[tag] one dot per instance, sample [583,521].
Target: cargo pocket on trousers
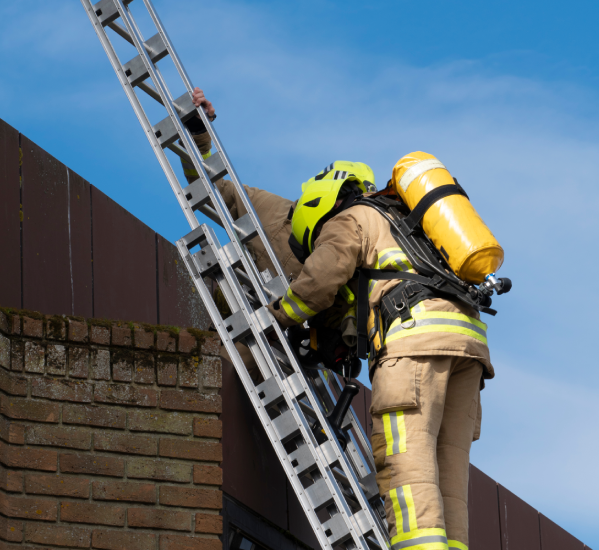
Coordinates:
[396,386]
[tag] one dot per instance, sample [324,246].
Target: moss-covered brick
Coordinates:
[165,341]
[13,384]
[144,339]
[94,415]
[4,352]
[181,400]
[78,331]
[29,409]
[187,342]
[58,436]
[125,443]
[17,355]
[78,362]
[56,328]
[99,335]
[143,368]
[189,371]
[122,335]
[120,394]
[100,362]
[166,370]
[212,372]
[35,357]
[61,389]
[122,365]
[34,328]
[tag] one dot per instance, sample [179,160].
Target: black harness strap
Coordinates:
[363,307]
[418,212]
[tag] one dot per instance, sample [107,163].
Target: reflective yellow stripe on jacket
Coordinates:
[456,545]
[391,258]
[189,170]
[438,321]
[296,308]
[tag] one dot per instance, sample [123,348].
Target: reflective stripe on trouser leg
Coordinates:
[456,545]
[395,432]
[421,539]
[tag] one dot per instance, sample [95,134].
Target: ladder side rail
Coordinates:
[219,146]
[190,146]
[248,384]
[290,399]
[308,391]
[168,104]
[140,113]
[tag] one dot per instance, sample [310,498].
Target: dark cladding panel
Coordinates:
[46,261]
[251,469]
[10,241]
[483,511]
[553,537]
[519,523]
[124,263]
[179,302]
[299,526]
[80,238]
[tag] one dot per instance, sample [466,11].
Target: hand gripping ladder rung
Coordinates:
[335,487]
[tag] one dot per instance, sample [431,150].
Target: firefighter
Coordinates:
[275,214]
[426,378]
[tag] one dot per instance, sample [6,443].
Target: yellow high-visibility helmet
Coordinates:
[340,180]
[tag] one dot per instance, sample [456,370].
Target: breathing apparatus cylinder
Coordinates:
[452,223]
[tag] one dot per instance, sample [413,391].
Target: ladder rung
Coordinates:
[269,393]
[336,530]
[215,167]
[136,70]
[246,230]
[302,460]
[286,426]
[319,494]
[106,11]
[237,326]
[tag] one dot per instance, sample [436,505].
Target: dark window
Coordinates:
[239,541]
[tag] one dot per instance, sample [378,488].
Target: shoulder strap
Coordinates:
[418,212]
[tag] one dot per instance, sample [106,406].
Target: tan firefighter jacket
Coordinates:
[273,211]
[360,237]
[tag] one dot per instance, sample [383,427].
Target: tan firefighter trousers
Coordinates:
[426,413]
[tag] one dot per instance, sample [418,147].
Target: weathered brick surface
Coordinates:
[196,497]
[100,359]
[57,485]
[33,327]
[97,514]
[181,542]
[120,394]
[56,360]
[28,409]
[191,450]
[207,427]
[121,336]
[57,535]
[12,383]
[105,539]
[94,415]
[189,369]
[11,530]
[165,342]
[187,342]
[92,464]
[161,422]
[40,509]
[206,474]
[33,459]
[99,335]
[122,366]
[209,523]
[211,372]
[78,331]
[166,371]
[11,480]
[159,519]
[164,470]
[125,443]
[101,428]
[12,432]
[17,355]
[179,400]
[62,389]
[144,339]
[35,357]
[124,490]
[78,362]
[57,436]
[143,367]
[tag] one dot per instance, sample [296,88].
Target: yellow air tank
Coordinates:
[452,223]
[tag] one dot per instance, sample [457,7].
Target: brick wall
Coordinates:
[109,435]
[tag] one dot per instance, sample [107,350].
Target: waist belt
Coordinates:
[413,289]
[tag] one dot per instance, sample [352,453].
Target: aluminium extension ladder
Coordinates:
[336,487]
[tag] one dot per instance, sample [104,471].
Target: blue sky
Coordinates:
[505,94]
